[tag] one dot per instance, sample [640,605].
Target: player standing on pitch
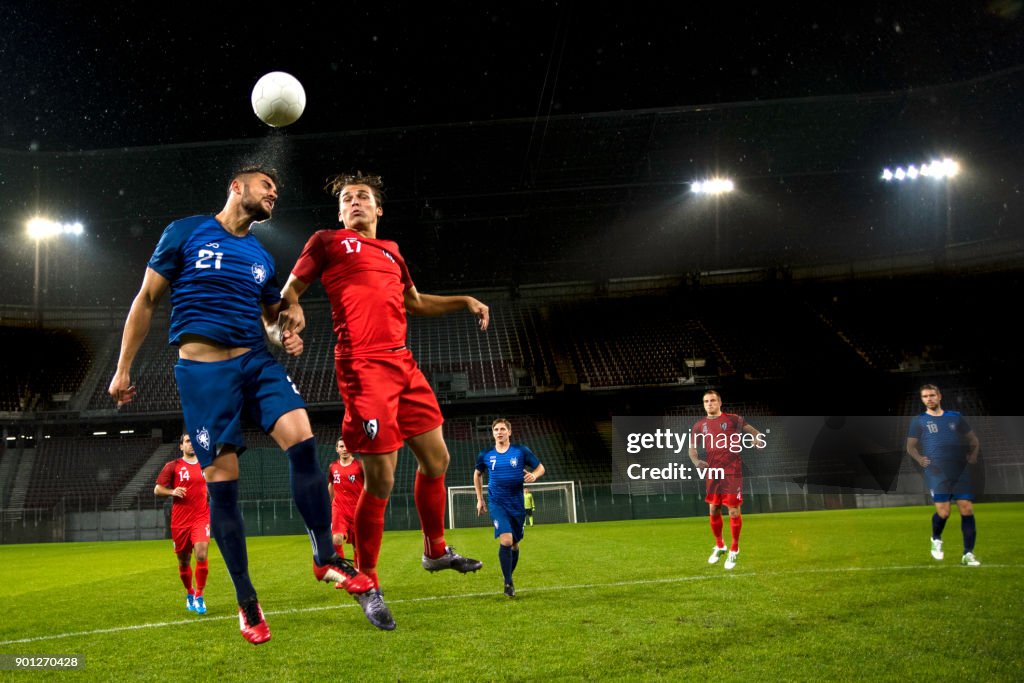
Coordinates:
[387,399]
[505,465]
[225,302]
[182,480]
[716,432]
[344,485]
[935,441]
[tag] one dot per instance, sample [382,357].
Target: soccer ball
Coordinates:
[278,99]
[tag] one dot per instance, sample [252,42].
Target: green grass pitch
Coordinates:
[838,595]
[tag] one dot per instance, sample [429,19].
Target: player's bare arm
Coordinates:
[165,492]
[537,473]
[291,316]
[136,327]
[752,430]
[289,340]
[697,462]
[478,485]
[921,460]
[973,447]
[433,304]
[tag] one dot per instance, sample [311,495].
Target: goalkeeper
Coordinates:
[505,465]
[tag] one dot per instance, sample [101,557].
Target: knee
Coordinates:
[200,556]
[380,484]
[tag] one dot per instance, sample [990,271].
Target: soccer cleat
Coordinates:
[341,571]
[251,622]
[510,590]
[200,604]
[715,554]
[372,602]
[451,560]
[969,560]
[190,603]
[937,549]
[730,561]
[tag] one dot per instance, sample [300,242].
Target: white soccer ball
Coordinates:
[278,99]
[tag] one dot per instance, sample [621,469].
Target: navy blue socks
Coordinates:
[228,529]
[309,489]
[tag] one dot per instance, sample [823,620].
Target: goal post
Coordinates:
[555,503]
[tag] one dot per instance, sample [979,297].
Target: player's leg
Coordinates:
[967,526]
[379,479]
[735,526]
[714,501]
[939,518]
[201,543]
[183,551]
[338,529]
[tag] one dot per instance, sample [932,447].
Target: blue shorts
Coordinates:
[949,480]
[506,522]
[215,397]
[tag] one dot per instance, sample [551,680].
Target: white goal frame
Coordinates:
[569,487]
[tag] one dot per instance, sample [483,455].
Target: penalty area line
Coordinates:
[540,589]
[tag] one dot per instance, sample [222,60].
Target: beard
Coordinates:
[254,208]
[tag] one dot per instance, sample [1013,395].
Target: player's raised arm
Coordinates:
[287,339]
[291,316]
[136,327]
[433,304]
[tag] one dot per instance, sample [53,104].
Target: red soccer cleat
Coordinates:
[251,622]
[343,574]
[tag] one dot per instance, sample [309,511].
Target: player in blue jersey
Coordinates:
[505,465]
[225,302]
[936,441]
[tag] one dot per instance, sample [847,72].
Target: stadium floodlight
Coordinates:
[935,169]
[712,186]
[40,228]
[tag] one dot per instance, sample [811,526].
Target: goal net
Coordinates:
[555,503]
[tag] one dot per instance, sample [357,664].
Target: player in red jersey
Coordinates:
[387,399]
[722,436]
[344,485]
[182,479]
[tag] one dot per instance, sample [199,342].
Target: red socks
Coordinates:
[431,498]
[369,532]
[202,570]
[716,529]
[185,572]
[735,524]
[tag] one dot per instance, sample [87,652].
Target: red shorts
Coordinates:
[186,537]
[387,400]
[343,522]
[727,492]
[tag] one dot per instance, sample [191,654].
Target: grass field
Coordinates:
[839,595]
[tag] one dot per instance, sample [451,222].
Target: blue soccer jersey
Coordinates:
[940,436]
[505,476]
[219,281]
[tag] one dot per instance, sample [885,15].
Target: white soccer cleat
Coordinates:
[716,553]
[969,560]
[730,561]
[937,549]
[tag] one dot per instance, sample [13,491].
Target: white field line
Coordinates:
[543,589]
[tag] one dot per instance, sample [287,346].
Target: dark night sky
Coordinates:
[88,78]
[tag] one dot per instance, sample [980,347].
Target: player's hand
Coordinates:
[121,389]
[481,507]
[292,343]
[702,464]
[529,478]
[480,310]
[925,461]
[292,319]
[179,492]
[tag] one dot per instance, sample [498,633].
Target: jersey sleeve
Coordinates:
[481,463]
[963,426]
[529,458]
[914,431]
[406,275]
[166,476]
[311,262]
[271,293]
[167,257]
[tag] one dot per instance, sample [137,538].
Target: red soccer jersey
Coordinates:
[365,280]
[347,481]
[720,438]
[193,508]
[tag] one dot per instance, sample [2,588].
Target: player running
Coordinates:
[505,466]
[344,485]
[388,401]
[182,480]
[720,434]
[935,440]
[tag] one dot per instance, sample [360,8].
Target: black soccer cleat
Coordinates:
[510,590]
[378,614]
[451,560]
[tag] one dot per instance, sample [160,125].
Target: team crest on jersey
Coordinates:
[512,462]
[371,428]
[352,478]
[259,273]
[952,426]
[724,424]
[203,439]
